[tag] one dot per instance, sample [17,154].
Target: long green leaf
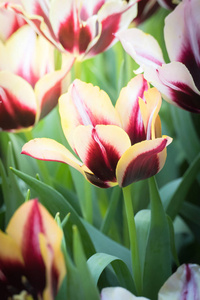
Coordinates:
[157,266]
[99,261]
[178,197]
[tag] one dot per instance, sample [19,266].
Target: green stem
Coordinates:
[136,267]
[108,219]
[88,209]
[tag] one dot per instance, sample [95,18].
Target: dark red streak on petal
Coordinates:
[188,59]
[14,115]
[143,166]
[50,99]
[109,27]
[73,39]
[34,264]
[185,97]
[102,159]
[136,130]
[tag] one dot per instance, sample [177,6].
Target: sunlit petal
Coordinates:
[85,104]
[47,149]
[113,16]
[142,160]
[129,110]
[18,105]
[33,56]
[49,88]
[176,85]
[100,148]
[183,41]
[142,47]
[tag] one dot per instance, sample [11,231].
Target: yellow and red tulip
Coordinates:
[178,81]
[31,261]
[116,145]
[83,28]
[29,85]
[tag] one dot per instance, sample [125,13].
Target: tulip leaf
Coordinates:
[104,244]
[190,212]
[142,222]
[55,202]
[11,186]
[108,219]
[186,133]
[158,252]
[99,261]
[87,287]
[178,197]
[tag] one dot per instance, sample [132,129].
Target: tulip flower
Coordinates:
[83,28]
[29,85]
[10,21]
[178,81]
[31,262]
[115,145]
[183,284]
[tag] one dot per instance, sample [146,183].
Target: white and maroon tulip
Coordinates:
[183,284]
[178,81]
[29,85]
[115,145]
[168,4]
[83,28]
[10,21]
[31,261]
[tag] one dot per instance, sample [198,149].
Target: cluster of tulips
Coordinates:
[114,142]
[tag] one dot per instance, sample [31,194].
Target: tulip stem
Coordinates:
[136,268]
[88,202]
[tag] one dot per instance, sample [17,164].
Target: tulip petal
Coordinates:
[85,104]
[47,149]
[17,102]
[100,148]
[142,161]
[113,16]
[129,110]
[73,34]
[142,47]
[183,41]
[33,56]
[10,22]
[183,284]
[11,261]
[49,88]
[149,111]
[118,293]
[176,85]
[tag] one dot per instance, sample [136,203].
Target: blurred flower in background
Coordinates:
[117,145]
[183,284]
[29,84]
[178,81]
[146,9]
[82,28]
[31,262]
